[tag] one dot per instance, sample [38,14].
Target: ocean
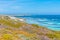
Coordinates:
[49,21]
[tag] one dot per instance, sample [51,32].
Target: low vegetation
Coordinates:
[18,30]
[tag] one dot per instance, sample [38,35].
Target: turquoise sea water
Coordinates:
[49,21]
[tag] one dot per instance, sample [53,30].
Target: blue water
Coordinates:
[49,21]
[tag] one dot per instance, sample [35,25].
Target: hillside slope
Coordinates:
[12,28]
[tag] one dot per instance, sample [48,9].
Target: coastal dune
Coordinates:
[12,28]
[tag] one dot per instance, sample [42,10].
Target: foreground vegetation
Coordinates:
[14,29]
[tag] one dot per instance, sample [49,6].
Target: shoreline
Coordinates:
[51,28]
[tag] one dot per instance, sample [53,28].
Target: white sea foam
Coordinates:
[50,23]
[16,19]
[42,20]
[12,17]
[21,19]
